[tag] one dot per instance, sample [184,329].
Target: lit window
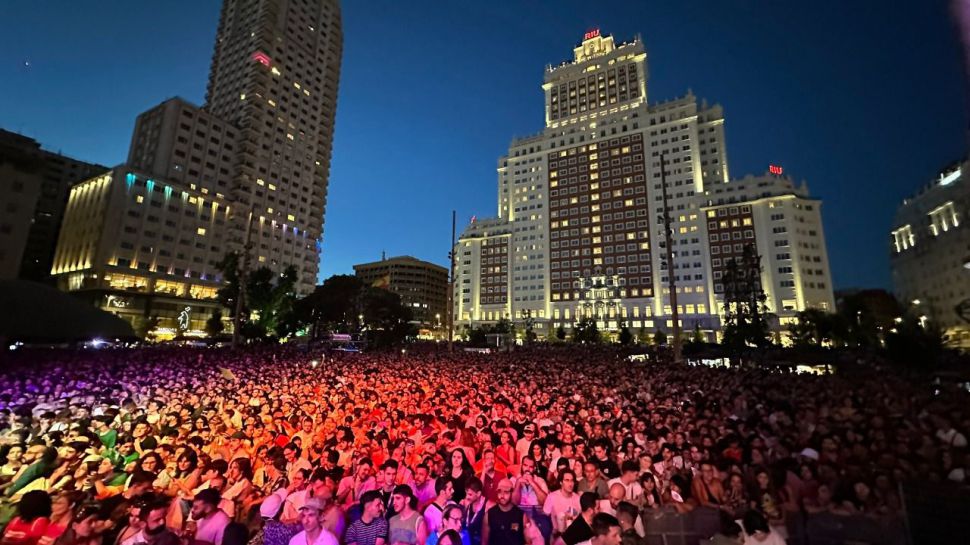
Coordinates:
[200,231]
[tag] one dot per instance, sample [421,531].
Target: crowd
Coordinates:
[277,446]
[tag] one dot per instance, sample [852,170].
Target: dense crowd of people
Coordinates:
[276,446]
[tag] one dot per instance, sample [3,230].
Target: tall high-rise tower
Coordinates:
[146,239]
[274,76]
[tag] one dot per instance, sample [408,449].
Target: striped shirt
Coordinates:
[361,533]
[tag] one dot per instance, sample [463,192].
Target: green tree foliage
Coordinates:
[817,328]
[561,333]
[268,301]
[659,338]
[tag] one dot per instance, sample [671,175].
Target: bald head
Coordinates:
[617,494]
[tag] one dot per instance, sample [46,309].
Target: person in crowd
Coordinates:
[757,530]
[562,505]
[627,514]
[529,495]
[504,523]
[473,508]
[32,520]
[592,480]
[210,521]
[434,511]
[706,489]
[606,530]
[312,521]
[451,522]
[371,528]
[406,526]
[88,427]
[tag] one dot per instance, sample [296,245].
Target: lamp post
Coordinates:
[669,235]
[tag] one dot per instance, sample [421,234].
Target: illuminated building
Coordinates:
[784,225]
[34,183]
[258,152]
[579,230]
[143,249]
[422,286]
[930,253]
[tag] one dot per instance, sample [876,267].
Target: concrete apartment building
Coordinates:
[34,183]
[258,153]
[143,249]
[422,286]
[930,253]
[579,230]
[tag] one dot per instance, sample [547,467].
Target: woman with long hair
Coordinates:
[459,470]
[505,451]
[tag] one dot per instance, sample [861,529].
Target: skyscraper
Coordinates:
[580,225]
[274,76]
[252,164]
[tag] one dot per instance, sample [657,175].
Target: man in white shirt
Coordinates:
[562,505]
[313,533]
[528,435]
[628,478]
[294,462]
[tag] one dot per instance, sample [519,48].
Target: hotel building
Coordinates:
[579,230]
[251,164]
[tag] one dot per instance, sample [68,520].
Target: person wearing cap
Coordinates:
[525,442]
[311,518]
[504,523]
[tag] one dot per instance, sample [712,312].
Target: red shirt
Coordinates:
[21,532]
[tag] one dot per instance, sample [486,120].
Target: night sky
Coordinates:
[863,100]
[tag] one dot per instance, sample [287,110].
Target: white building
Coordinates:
[930,253]
[260,147]
[580,205]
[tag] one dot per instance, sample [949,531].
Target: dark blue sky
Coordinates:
[862,100]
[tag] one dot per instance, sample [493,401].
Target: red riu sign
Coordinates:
[591,34]
[775,169]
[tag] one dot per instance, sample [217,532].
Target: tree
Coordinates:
[332,306]
[268,298]
[343,303]
[815,327]
[659,338]
[625,337]
[745,313]
[643,336]
[214,326]
[585,331]
[144,325]
[915,341]
[561,333]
